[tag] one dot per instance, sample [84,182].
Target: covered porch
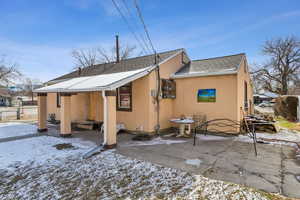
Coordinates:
[109,115]
[96,98]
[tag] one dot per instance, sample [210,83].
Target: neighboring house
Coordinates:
[125,92]
[265,97]
[5,97]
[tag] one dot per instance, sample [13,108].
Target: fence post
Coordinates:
[18,113]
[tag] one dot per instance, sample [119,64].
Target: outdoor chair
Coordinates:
[198,120]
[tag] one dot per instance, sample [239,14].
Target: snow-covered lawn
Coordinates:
[38,149]
[12,129]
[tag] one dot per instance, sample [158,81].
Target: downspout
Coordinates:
[104,117]
[158,79]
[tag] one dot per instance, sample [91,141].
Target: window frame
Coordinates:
[130,99]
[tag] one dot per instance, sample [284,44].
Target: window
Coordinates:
[124,98]
[58,100]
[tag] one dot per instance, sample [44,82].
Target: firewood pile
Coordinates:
[264,123]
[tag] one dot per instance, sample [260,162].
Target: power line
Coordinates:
[129,26]
[144,25]
[136,25]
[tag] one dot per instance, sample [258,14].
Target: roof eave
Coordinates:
[203,74]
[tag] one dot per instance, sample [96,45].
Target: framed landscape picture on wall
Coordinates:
[206,95]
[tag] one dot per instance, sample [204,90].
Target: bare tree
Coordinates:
[84,58]
[88,57]
[283,67]
[8,71]
[29,85]
[256,82]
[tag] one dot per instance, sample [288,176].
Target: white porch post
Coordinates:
[42,112]
[65,115]
[109,119]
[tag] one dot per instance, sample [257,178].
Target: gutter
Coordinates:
[189,75]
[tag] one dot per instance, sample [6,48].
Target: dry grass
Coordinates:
[287,124]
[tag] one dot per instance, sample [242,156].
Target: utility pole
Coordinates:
[117,49]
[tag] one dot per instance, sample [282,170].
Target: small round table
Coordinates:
[182,124]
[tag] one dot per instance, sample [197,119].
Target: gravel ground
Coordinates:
[111,176]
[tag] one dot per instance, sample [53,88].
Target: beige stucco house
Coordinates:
[126,92]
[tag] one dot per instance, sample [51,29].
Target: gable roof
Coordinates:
[125,65]
[211,66]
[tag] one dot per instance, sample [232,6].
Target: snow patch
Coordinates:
[194,162]
[284,134]
[13,129]
[155,141]
[212,138]
[38,150]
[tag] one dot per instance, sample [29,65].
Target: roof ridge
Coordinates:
[219,57]
[153,54]
[113,62]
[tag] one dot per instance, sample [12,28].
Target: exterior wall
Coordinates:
[166,105]
[138,118]
[95,108]
[226,91]
[51,106]
[79,106]
[244,76]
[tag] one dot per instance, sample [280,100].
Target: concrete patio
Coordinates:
[275,169]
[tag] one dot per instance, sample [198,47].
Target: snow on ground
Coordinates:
[212,138]
[283,134]
[38,149]
[12,129]
[112,176]
[154,141]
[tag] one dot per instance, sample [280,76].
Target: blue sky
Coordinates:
[40,34]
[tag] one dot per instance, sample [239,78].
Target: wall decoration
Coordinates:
[206,95]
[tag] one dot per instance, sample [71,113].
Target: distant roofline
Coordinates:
[220,57]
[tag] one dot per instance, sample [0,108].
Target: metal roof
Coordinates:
[97,82]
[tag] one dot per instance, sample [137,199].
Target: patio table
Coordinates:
[182,124]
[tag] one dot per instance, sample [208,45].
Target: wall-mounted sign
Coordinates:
[206,95]
[168,89]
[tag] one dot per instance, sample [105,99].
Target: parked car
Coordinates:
[266,104]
